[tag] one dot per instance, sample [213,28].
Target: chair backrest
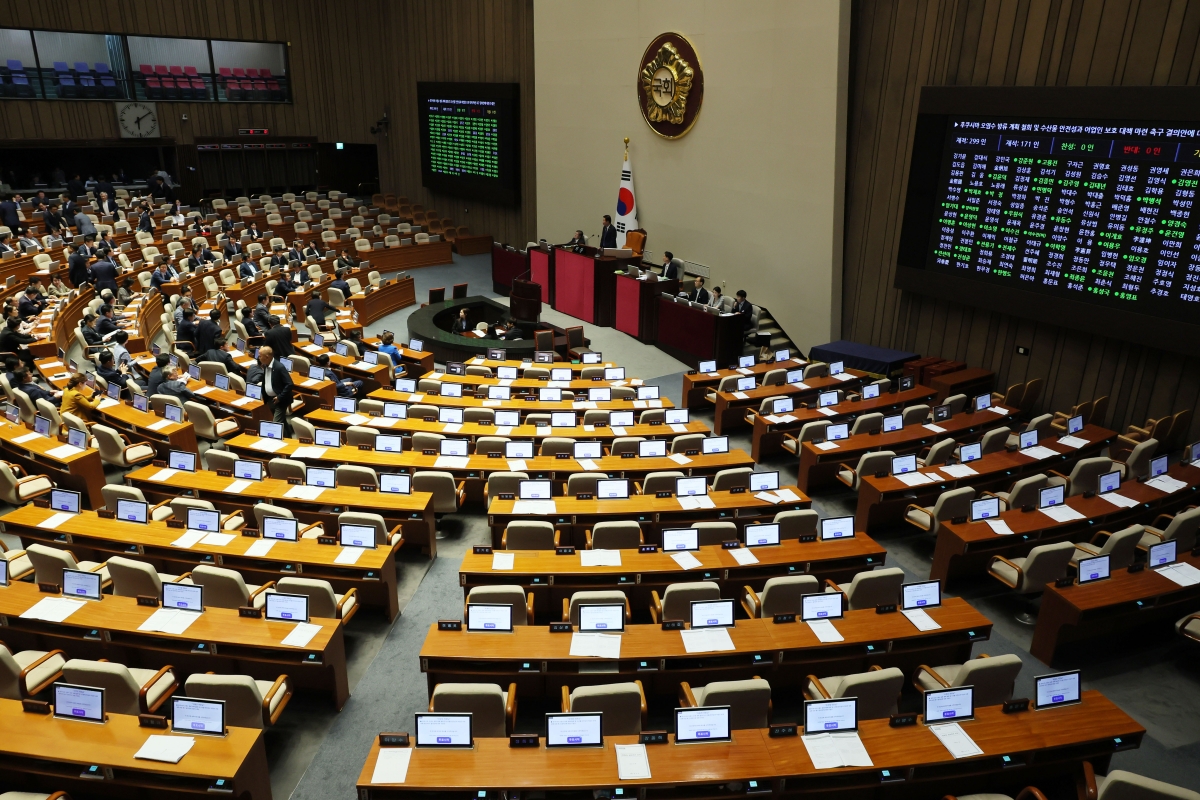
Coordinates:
[726,479]
[508,595]
[1137,463]
[484,701]
[322,602]
[441,485]
[120,689]
[993,677]
[624,444]
[616,534]
[112,492]
[782,595]
[264,510]
[223,588]
[1121,546]
[957,403]
[621,704]
[660,482]
[1085,475]
[11,682]
[1025,491]
[877,691]
[1033,390]
[749,701]
[132,578]
[813,430]
[685,442]
[1183,527]
[994,440]
[355,475]
[284,468]
[1121,785]
[505,482]
[49,563]
[713,533]
[915,415]
[368,520]
[940,452]
[1099,411]
[878,461]
[951,504]
[794,524]
[1041,424]
[584,482]
[529,534]
[243,699]
[817,369]
[1044,564]
[553,445]
[677,598]
[867,423]
[873,588]
[596,596]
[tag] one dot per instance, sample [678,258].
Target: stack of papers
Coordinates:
[827,411]
[767,497]
[165,474]
[833,750]
[787,495]
[915,478]
[596,645]
[416,397]
[392,765]
[743,556]
[921,619]
[382,422]
[260,547]
[54,520]
[189,539]
[158,426]
[1000,527]
[692,502]
[452,427]
[958,470]
[301,635]
[516,465]
[956,740]
[706,640]
[503,561]
[355,419]
[825,631]
[349,555]
[452,462]
[935,428]
[53,609]
[1038,452]
[1119,500]
[677,428]
[304,492]
[64,451]
[741,395]
[237,487]
[679,458]
[1180,572]
[618,431]
[28,437]
[600,558]
[170,620]
[998,410]
[1165,483]
[165,748]
[743,370]
[242,401]
[632,762]
[269,445]
[308,452]
[685,560]
[504,430]
[588,465]
[826,446]
[842,376]
[1073,441]
[536,507]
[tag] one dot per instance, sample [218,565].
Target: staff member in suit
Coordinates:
[53,220]
[12,340]
[297,251]
[77,267]
[145,220]
[104,274]
[226,225]
[5,245]
[346,387]
[248,270]
[317,308]
[219,352]
[107,206]
[276,384]
[262,314]
[23,381]
[208,331]
[278,338]
[672,271]
[699,294]
[231,248]
[608,234]
[312,251]
[30,305]
[717,298]
[578,240]
[743,307]
[461,324]
[8,214]
[339,283]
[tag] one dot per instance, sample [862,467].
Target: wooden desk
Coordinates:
[413,511]
[966,549]
[554,578]
[109,629]
[782,654]
[767,439]
[970,381]
[515,404]
[1051,745]
[82,471]
[696,385]
[1110,608]
[397,294]
[146,426]
[466,245]
[818,467]
[882,501]
[653,513]
[637,305]
[531,385]
[373,575]
[729,410]
[693,335]
[50,754]
[574,366]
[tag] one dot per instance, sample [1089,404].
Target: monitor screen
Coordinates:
[949,705]
[81,584]
[745,384]
[745,362]
[795,376]
[824,716]
[982,402]
[344,405]
[496,354]
[837,528]
[133,511]
[78,702]
[1110,481]
[395,483]
[341,349]
[614,373]
[451,389]
[649,393]
[508,418]
[453,447]
[287,607]
[764,481]
[395,410]
[612,489]
[821,606]
[194,715]
[499,393]
[941,413]
[712,613]
[282,528]
[65,500]
[248,470]
[194,372]
[560,373]
[199,519]
[587,450]
[388,444]
[562,419]
[760,535]
[620,419]
[1051,496]
[12,413]
[286,363]
[1028,439]
[327,437]
[1192,452]
[549,394]
[141,402]
[870,391]
[574,730]
[518,449]
[654,448]
[782,405]
[1158,466]
[922,594]
[270,430]
[602,395]
[835,432]
[1093,569]
[782,355]
[903,464]
[41,425]
[371,357]
[704,724]
[490,617]
[687,486]
[506,373]
[187,596]
[318,476]
[469,136]
[543,356]
[3,572]
[451,415]
[986,508]
[1075,424]
[416,344]
[893,423]
[970,452]
[443,730]
[676,416]
[253,391]
[178,459]
[601,617]
[827,399]
[534,490]
[350,535]
[114,391]
[591,358]
[836,368]
[714,444]
[1163,553]
[406,385]
[681,539]
[1057,689]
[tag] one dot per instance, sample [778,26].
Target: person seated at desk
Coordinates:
[58,288]
[88,328]
[174,385]
[279,258]
[105,244]
[207,331]
[206,254]
[5,244]
[27,241]
[200,227]
[297,251]
[126,292]
[248,270]
[231,248]
[279,338]
[345,261]
[252,329]
[116,346]
[672,269]
[317,308]
[164,274]
[578,240]
[13,340]
[608,234]
[346,387]
[184,303]
[226,224]
[387,344]
[76,402]
[288,284]
[23,381]
[30,305]
[339,283]
[158,374]
[195,261]
[106,324]
[185,331]
[219,352]
[461,325]
[312,251]
[254,232]
[505,330]
[699,294]
[111,371]
[742,306]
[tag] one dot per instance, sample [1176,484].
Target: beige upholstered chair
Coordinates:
[17,488]
[623,706]
[714,533]
[515,596]
[1189,627]
[284,468]
[28,672]
[808,432]
[868,465]
[127,690]
[354,475]
[493,710]
[676,599]
[225,588]
[624,534]
[249,703]
[1022,493]
[115,492]
[207,426]
[529,535]
[685,442]
[870,588]
[489,444]
[950,504]
[1120,546]
[867,423]
[132,578]
[447,495]
[660,482]
[571,605]
[796,523]
[1121,785]
[749,700]
[1181,527]
[877,690]
[553,445]
[726,479]
[937,454]
[264,510]
[116,450]
[914,415]
[993,678]
[1084,477]
[383,536]
[180,506]
[1029,575]
[584,482]
[779,596]
[503,483]
[49,562]
[994,440]
[322,601]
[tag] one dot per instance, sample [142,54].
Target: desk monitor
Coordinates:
[981,402]
[318,339]
[837,368]
[496,354]
[827,399]
[490,617]
[549,394]
[764,481]
[518,449]
[13,414]
[316,374]
[1158,466]
[711,614]
[506,373]
[581,729]
[188,596]
[344,405]
[450,414]
[41,425]
[681,539]
[1109,482]
[194,715]
[823,605]
[113,391]
[81,584]
[201,519]
[1191,453]
[782,355]
[142,403]
[839,431]
[509,419]
[287,607]
[903,464]
[350,535]
[3,572]
[318,476]
[893,423]
[746,384]
[922,594]
[286,363]
[614,373]
[395,410]
[1051,496]
[133,511]
[985,508]
[795,376]
[615,489]
[949,705]
[601,395]
[406,385]
[280,528]
[389,444]
[762,535]
[543,356]
[327,437]
[714,444]
[395,483]
[620,419]
[837,528]
[693,486]
[253,391]
[1028,439]
[171,412]
[825,716]
[451,389]
[676,416]
[653,448]
[591,358]
[499,393]
[587,450]
[65,500]
[194,371]
[562,419]
[78,702]
[703,724]
[560,373]
[534,490]
[453,447]
[782,405]
[371,357]
[941,413]
[1075,424]
[182,461]
[601,617]
[870,391]
[707,366]
[1093,569]
[270,430]
[1056,689]
[248,470]
[970,452]
[1163,553]
[443,730]
[745,362]
[416,344]
[907,382]
[649,393]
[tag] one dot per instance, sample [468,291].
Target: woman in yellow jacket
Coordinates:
[76,402]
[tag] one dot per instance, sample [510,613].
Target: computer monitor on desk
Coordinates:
[443,730]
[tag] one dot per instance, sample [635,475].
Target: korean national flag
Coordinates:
[626,219]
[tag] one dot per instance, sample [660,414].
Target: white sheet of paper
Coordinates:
[956,740]
[1165,483]
[685,560]
[269,445]
[787,495]
[1073,441]
[741,395]
[743,556]
[349,555]
[998,410]
[999,526]
[632,762]
[504,430]
[1038,452]
[826,446]
[452,427]
[237,487]
[1062,513]
[516,465]
[308,452]
[596,645]
[536,507]
[600,558]
[302,634]
[53,609]
[935,428]
[170,749]
[773,419]
[218,539]
[260,547]
[355,419]
[1118,500]
[958,470]
[64,451]
[842,376]
[158,426]
[833,750]
[245,401]
[679,458]
[656,403]
[416,397]
[639,403]
[827,411]
[706,640]
[825,631]
[502,561]
[1181,573]
[107,403]
[304,492]
[170,620]
[392,765]
[704,501]
[189,539]
[914,478]
[588,465]
[677,428]
[767,497]
[788,418]
[163,474]
[743,370]
[921,619]
[382,422]
[688,502]
[452,462]
[618,431]
[491,404]
[54,520]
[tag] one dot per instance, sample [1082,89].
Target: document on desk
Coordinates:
[1181,573]
[685,560]
[516,465]
[308,452]
[1000,527]
[535,507]
[639,403]
[957,470]
[632,762]
[743,556]
[64,451]
[741,395]
[491,404]
[1073,441]
[382,422]
[349,555]
[170,749]
[656,403]
[679,458]
[1119,500]
[1039,453]
[833,750]
[158,426]
[825,631]
[744,370]
[773,419]
[452,462]
[1062,513]
[164,474]
[787,495]
[587,464]
[506,382]
[189,539]
[1165,483]
[842,376]
[707,640]
[237,487]
[826,446]
[935,428]
[956,740]
[53,609]
[305,382]
[713,374]
[692,502]
[914,478]
[599,558]
[244,401]
[301,635]
[596,645]
[677,428]
[416,397]
[767,497]
[54,520]
[503,561]
[392,765]
[260,547]
[921,619]
[618,431]
[355,419]
[215,539]
[269,445]
[827,411]
[108,402]
[169,620]
[452,427]
[504,430]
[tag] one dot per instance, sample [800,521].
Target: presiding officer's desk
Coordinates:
[882,501]
[553,578]
[69,467]
[540,662]
[414,512]
[372,576]
[966,548]
[730,408]
[1111,608]
[573,515]
[1048,745]
[46,754]
[231,643]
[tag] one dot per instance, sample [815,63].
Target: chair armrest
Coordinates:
[1098,537]
[268,717]
[912,506]
[686,698]
[638,486]
[1031,793]
[642,695]
[566,700]
[1085,782]
[30,692]
[510,708]
[566,617]
[820,688]
[529,606]
[1020,572]
[261,589]
[1161,518]
[460,491]
[504,539]
[1058,474]
[656,609]
[351,593]
[1087,548]
[308,528]
[145,690]
[752,596]
[928,671]
[157,506]
[833,586]
[557,537]
[587,534]
[238,513]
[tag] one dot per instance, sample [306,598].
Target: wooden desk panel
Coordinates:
[729,411]
[383,301]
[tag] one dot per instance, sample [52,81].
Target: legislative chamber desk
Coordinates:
[232,644]
[966,548]
[378,303]
[881,501]
[1044,746]
[415,362]
[1111,608]
[731,408]
[541,270]
[413,512]
[637,305]
[577,384]
[507,265]
[540,663]
[518,403]
[69,468]
[372,576]
[49,754]
[696,385]
[553,578]
[573,515]
[693,335]
[769,430]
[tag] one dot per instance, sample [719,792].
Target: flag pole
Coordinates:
[626,148]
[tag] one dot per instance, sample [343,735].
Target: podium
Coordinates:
[541,270]
[694,334]
[586,286]
[637,306]
[525,302]
[507,265]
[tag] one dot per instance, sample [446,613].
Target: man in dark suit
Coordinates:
[13,341]
[104,187]
[164,274]
[249,323]
[279,259]
[231,248]
[8,214]
[262,313]
[276,383]
[110,370]
[278,338]
[105,243]
[317,309]
[220,354]
[248,270]
[287,283]
[30,305]
[104,274]
[671,269]
[346,387]
[75,187]
[106,205]
[22,381]
[699,294]
[185,331]
[208,331]
[608,234]
[157,376]
[53,220]
[297,251]
[77,267]
[743,307]
[145,221]
[6,245]
[339,283]
[105,324]
[206,254]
